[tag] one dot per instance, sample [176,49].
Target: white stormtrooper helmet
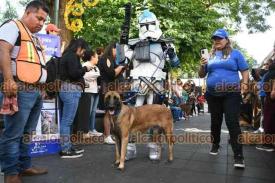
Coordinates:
[149,26]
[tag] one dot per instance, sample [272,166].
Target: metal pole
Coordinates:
[56,10]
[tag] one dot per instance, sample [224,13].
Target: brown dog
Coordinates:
[125,119]
[250,114]
[186,108]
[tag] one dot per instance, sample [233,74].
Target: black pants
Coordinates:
[82,117]
[193,109]
[229,105]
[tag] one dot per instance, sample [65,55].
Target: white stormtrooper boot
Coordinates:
[131,152]
[154,151]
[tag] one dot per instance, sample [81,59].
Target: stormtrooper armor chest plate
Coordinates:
[153,67]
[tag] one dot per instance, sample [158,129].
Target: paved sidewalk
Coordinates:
[192,163]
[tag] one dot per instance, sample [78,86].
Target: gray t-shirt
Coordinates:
[9,32]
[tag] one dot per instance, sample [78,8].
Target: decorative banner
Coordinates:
[51,44]
[73,12]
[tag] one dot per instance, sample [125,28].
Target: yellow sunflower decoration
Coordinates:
[90,3]
[77,25]
[78,9]
[73,12]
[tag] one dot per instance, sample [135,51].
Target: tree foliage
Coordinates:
[24,2]
[8,13]
[189,22]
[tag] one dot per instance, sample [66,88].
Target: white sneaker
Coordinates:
[109,140]
[95,133]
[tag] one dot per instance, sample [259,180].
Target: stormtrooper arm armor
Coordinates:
[171,54]
[129,53]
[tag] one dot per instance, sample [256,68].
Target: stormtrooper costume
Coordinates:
[148,53]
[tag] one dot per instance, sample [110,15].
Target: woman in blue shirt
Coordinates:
[223,91]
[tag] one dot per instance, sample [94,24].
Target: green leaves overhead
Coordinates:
[8,13]
[189,22]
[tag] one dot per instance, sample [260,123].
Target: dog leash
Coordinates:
[127,100]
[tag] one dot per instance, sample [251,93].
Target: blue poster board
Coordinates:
[46,140]
[51,45]
[39,148]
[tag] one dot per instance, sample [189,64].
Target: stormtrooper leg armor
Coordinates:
[131,152]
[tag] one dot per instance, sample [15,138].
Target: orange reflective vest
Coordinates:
[28,63]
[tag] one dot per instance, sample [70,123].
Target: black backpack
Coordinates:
[53,76]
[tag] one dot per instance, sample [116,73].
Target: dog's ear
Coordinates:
[118,102]
[106,100]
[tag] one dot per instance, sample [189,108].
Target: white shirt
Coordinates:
[91,78]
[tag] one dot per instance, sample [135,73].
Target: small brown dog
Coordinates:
[125,119]
[186,108]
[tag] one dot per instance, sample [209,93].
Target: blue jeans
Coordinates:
[70,100]
[94,103]
[176,112]
[14,153]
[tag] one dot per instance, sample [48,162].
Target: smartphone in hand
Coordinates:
[204,53]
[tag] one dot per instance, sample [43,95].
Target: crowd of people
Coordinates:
[187,100]
[86,74]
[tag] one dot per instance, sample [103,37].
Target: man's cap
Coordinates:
[221,33]
[52,27]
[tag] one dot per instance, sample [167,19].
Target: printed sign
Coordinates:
[51,44]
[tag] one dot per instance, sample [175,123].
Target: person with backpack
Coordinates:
[72,84]
[22,65]
[224,90]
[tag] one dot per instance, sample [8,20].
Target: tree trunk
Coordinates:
[51,8]
[66,34]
